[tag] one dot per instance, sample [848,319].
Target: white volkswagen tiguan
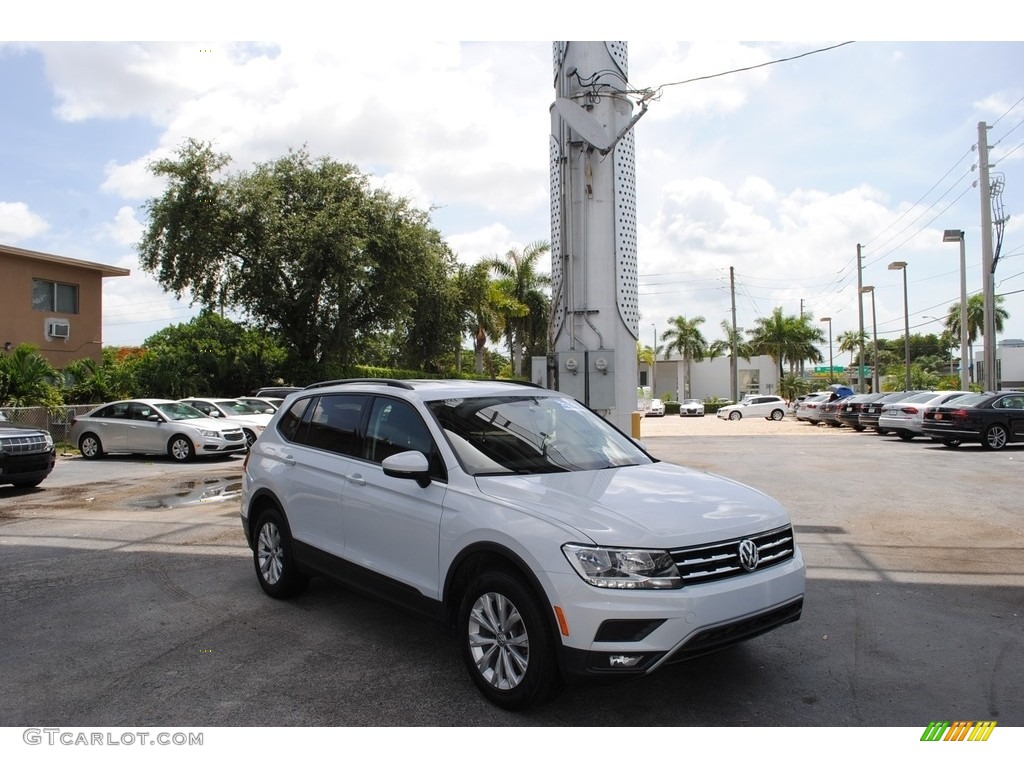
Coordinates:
[551,544]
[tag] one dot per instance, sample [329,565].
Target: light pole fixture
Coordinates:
[829,321]
[902,266]
[874,338]
[654,361]
[957,236]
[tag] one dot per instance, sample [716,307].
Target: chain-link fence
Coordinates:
[57,422]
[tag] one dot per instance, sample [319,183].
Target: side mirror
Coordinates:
[408,465]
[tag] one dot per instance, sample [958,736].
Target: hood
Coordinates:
[217,425]
[652,505]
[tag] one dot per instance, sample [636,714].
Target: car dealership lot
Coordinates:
[129,599]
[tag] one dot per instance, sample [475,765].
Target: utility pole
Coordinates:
[987,267]
[860,318]
[733,373]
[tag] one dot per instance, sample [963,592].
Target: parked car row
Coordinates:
[182,429]
[951,417]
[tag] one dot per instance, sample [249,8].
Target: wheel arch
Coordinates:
[479,558]
[261,500]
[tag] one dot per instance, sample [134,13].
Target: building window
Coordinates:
[48,296]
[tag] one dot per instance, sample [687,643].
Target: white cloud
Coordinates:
[18,223]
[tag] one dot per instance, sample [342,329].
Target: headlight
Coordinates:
[618,568]
[210,433]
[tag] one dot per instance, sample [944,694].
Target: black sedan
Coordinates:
[992,419]
[849,413]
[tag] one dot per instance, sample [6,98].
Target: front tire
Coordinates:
[995,438]
[273,557]
[507,644]
[735,415]
[90,447]
[250,438]
[180,449]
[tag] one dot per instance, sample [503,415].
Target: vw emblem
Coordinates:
[749,556]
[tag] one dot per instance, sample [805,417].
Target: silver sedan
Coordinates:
[155,427]
[905,416]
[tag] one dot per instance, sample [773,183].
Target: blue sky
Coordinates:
[778,171]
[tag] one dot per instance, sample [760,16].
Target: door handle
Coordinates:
[355,479]
[287,459]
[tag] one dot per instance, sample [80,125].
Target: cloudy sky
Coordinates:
[778,171]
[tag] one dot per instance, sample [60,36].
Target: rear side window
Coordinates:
[289,422]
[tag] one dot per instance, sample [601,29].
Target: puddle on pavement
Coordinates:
[193,492]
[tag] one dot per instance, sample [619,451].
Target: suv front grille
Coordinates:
[26,444]
[721,560]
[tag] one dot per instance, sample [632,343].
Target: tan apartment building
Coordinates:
[54,303]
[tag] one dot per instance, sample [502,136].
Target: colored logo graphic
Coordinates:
[959,730]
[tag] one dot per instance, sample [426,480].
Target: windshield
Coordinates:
[233,406]
[179,411]
[530,434]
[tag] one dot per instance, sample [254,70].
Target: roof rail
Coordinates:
[383,382]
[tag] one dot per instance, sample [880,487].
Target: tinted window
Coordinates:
[334,424]
[395,427]
[113,411]
[289,423]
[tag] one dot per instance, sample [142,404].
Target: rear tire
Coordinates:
[90,447]
[777,415]
[507,643]
[273,557]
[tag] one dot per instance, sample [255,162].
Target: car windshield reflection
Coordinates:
[179,411]
[529,435]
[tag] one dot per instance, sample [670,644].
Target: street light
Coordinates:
[654,359]
[829,321]
[957,236]
[874,337]
[902,266]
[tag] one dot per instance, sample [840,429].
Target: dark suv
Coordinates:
[27,455]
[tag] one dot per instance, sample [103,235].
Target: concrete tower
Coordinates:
[595,313]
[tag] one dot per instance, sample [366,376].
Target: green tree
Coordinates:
[306,248]
[28,379]
[723,347]
[527,305]
[975,320]
[209,355]
[684,337]
[787,338]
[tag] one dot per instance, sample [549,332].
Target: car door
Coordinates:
[392,525]
[145,433]
[1013,407]
[111,425]
[323,434]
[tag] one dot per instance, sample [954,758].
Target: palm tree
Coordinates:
[975,321]
[787,338]
[523,286]
[26,378]
[733,338]
[685,338]
[485,306]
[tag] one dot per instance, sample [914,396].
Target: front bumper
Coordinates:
[26,467]
[623,633]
